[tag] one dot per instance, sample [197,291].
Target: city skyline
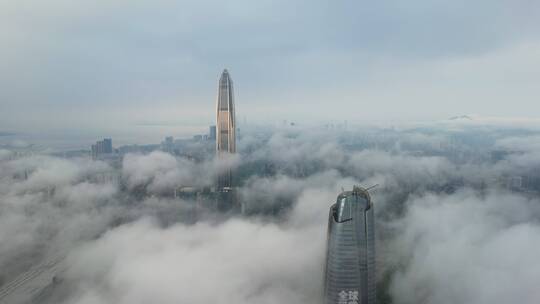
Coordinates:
[380,152]
[445,194]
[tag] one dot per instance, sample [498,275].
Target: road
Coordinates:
[23,288]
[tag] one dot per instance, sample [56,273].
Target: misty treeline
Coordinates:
[457,218]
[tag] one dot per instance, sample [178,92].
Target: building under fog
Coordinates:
[225,127]
[350,259]
[225,142]
[102,147]
[212,133]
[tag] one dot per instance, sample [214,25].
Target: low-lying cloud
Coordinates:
[468,248]
[449,229]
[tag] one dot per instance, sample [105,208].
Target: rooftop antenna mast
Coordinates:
[374,186]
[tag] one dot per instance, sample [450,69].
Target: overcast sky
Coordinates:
[109,65]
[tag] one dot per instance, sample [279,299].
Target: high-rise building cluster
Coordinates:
[102,147]
[211,136]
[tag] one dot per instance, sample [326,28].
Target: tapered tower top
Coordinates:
[225,94]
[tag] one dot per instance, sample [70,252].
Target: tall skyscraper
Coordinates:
[107,145]
[102,147]
[350,257]
[212,133]
[225,126]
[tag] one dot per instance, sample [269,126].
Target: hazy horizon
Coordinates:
[105,66]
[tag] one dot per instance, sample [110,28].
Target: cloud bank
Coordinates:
[448,230]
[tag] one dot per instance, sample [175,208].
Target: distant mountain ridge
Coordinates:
[462,117]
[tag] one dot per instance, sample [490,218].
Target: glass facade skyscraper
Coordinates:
[350,258]
[225,126]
